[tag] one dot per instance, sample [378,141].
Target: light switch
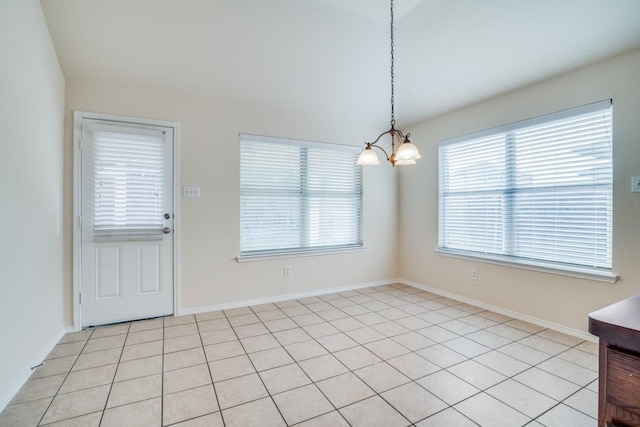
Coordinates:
[191,192]
[635,184]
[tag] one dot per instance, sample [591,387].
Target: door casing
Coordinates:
[77,203]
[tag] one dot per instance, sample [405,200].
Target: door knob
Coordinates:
[167,216]
[166,230]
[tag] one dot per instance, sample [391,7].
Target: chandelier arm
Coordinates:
[379,148]
[391,132]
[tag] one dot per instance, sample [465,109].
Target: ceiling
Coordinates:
[331,57]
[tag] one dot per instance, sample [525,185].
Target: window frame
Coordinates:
[304,249]
[599,274]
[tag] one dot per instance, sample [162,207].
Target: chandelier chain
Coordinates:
[393,120]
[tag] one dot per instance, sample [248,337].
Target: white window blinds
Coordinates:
[298,196]
[537,192]
[126,200]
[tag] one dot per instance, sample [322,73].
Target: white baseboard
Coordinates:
[545,324]
[17,384]
[286,297]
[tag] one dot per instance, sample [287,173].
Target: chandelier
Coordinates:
[407,153]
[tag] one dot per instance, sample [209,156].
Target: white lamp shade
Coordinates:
[407,151]
[368,157]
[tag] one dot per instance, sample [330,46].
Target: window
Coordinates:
[298,196]
[538,192]
[125,197]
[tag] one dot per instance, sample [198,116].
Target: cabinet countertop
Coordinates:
[620,319]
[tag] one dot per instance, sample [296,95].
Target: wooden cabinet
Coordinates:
[618,327]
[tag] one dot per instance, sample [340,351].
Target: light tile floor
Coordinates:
[384,356]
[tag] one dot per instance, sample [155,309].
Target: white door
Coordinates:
[126,265]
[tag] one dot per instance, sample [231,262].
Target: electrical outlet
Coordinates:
[191,192]
[474,274]
[288,271]
[635,184]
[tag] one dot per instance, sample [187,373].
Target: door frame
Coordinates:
[77,202]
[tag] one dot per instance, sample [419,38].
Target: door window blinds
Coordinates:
[126,200]
[298,196]
[537,192]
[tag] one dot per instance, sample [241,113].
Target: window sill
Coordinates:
[269,256]
[600,276]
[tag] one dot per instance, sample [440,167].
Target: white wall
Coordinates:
[209,158]
[552,298]
[31,132]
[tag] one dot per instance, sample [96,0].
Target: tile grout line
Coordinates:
[344,332]
[65,378]
[213,385]
[558,402]
[253,365]
[489,350]
[512,377]
[162,377]
[106,402]
[360,345]
[295,362]
[315,340]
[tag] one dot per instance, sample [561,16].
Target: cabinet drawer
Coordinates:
[623,380]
